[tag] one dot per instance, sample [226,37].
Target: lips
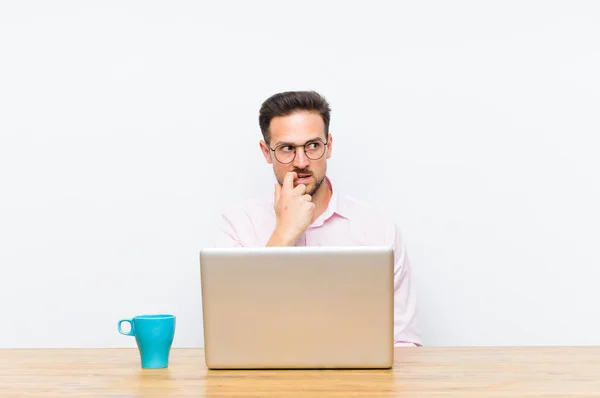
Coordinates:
[303,178]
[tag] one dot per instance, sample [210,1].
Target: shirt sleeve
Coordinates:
[406,324]
[226,233]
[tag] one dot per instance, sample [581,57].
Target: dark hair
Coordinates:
[282,104]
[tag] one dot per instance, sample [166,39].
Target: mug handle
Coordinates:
[131,331]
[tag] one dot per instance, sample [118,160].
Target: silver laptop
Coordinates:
[298,307]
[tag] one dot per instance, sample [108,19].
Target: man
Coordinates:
[306,210]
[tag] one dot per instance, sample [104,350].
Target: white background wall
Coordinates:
[126,126]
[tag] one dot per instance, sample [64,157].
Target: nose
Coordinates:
[301,160]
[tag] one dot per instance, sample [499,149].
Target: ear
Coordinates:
[266,151]
[329,145]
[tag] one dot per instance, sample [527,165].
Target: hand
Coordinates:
[294,210]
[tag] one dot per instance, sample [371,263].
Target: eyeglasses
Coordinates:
[286,153]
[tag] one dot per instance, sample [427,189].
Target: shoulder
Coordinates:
[376,225]
[361,210]
[368,217]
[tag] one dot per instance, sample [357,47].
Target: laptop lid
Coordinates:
[298,307]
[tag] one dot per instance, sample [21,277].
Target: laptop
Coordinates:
[298,307]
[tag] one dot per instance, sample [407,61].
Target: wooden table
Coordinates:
[418,372]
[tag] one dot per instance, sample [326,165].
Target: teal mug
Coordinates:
[154,337]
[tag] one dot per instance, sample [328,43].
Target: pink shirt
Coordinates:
[345,222]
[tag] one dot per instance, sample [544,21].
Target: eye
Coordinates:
[286,148]
[314,145]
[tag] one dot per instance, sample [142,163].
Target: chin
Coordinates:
[312,189]
[309,187]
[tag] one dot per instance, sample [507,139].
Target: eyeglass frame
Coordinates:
[298,146]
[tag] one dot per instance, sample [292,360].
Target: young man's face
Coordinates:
[299,128]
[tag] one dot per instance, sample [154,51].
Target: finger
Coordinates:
[277,192]
[288,180]
[307,197]
[301,188]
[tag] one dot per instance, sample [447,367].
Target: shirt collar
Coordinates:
[336,206]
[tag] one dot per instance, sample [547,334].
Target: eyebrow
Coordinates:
[291,143]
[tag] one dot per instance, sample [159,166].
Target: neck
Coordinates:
[321,199]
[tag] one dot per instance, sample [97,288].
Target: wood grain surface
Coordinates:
[418,372]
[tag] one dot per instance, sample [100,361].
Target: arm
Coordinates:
[406,325]
[226,234]
[278,239]
[294,210]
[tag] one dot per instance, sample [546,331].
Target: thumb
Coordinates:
[277,192]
